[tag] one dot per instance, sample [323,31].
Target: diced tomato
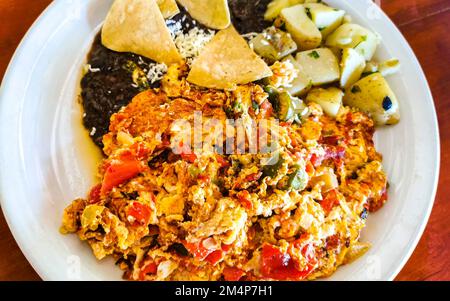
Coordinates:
[140,150]
[349,117]
[214,257]
[307,251]
[266,109]
[375,204]
[309,168]
[226,248]
[316,160]
[285,124]
[94,194]
[118,172]
[222,161]
[280,266]
[140,213]
[186,153]
[335,153]
[330,201]
[149,268]
[189,157]
[204,178]
[197,249]
[253,177]
[244,199]
[232,274]
[333,241]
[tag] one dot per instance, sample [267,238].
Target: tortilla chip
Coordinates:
[226,61]
[168,8]
[138,26]
[213,14]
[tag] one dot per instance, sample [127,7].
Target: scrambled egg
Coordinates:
[206,216]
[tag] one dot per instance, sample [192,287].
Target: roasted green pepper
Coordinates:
[273,165]
[298,179]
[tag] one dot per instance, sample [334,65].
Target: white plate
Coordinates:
[46,157]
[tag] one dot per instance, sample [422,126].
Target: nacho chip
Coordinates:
[213,14]
[227,61]
[138,26]
[168,8]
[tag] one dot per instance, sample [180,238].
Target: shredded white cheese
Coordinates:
[88,68]
[250,35]
[93,131]
[190,44]
[156,72]
[173,26]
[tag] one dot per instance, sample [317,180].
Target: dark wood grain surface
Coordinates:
[425,24]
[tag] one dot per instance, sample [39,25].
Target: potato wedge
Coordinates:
[302,83]
[373,95]
[320,64]
[351,35]
[273,44]
[352,67]
[213,14]
[301,27]
[329,99]
[389,67]
[326,18]
[276,6]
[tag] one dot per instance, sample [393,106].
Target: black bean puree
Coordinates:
[109,85]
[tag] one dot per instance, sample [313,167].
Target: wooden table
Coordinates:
[425,24]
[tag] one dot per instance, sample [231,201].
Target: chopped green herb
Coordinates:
[308,12]
[237,106]
[255,106]
[314,54]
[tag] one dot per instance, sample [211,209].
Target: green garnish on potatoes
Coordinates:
[373,95]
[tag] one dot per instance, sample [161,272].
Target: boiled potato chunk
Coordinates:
[320,64]
[351,35]
[329,99]
[326,18]
[273,44]
[302,83]
[299,25]
[373,95]
[386,68]
[352,67]
[276,6]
